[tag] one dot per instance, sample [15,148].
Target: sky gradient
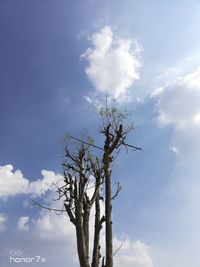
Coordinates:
[58,59]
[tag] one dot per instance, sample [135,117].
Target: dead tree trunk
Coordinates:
[98,226]
[77,171]
[112,142]
[108,204]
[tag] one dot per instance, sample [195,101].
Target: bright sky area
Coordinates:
[58,60]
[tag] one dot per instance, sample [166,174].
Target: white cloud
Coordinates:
[58,228]
[113,63]
[169,76]
[22,224]
[53,226]
[51,236]
[157,91]
[40,186]
[51,232]
[179,103]
[3,220]
[132,254]
[13,182]
[50,228]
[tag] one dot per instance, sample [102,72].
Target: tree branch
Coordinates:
[70,214]
[84,142]
[47,208]
[117,191]
[117,249]
[134,147]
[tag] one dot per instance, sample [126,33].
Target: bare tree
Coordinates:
[79,169]
[87,182]
[115,133]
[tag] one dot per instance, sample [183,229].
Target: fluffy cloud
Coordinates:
[52,226]
[3,220]
[13,182]
[113,63]
[40,186]
[179,103]
[51,232]
[57,229]
[22,224]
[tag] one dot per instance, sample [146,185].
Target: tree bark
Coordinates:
[98,225]
[108,199]
[108,214]
[86,218]
[81,244]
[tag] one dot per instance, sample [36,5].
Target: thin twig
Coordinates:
[117,191]
[84,142]
[117,249]
[134,147]
[47,208]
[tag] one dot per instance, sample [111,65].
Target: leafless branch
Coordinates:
[118,190]
[47,208]
[84,142]
[117,249]
[131,146]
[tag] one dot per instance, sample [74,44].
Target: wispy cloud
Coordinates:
[22,224]
[179,103]
[178,106]
[3,220]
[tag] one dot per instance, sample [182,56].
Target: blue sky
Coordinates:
[57,61]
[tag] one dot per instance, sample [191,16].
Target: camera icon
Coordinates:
[15,253]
